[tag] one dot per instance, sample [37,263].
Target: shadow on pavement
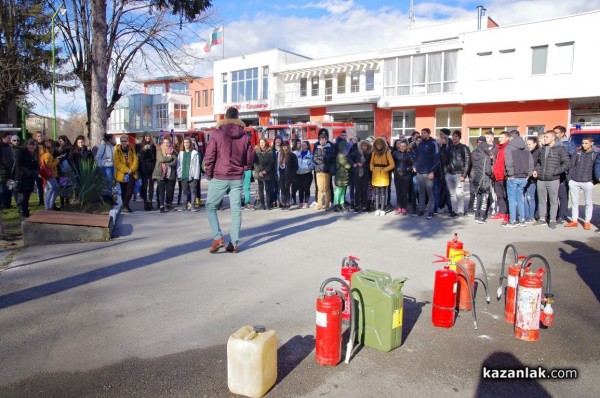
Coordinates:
[292,353]
[585,259]
[412,311]
[507,387]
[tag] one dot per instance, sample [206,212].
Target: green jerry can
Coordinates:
[379,303]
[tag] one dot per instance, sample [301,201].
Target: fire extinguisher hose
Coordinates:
[487,281]
[514,249]
[548,275]
[464,275]
[350,344]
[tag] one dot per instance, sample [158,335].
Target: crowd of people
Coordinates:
[512,180]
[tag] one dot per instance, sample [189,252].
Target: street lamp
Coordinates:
[62,11]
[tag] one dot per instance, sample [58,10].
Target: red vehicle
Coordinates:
[308,131]
[581,130]
[255,133]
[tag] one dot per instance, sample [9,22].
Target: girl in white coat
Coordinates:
[188,172]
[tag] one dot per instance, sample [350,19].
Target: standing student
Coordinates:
[165,173]
[104,160]
[228,155]
[264,168]
[381,165]
[304,174]
[126,166]
[188,172]
[147,158]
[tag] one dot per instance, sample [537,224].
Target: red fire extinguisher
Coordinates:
[349,266]
[454,250]
[328,335]
[512,278]
[464,302]
[529,301]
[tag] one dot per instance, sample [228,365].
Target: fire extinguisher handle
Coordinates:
[442,259]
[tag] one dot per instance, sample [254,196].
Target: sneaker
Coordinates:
[404,212]
[430,216]
[552,224]
[480,220]
[414,214]
[382,213]
[587,226]
[397,211]
[231,248]
[511,225]
[504,224]
[470,213]
[560,221]
[522,224]
[572,224]
[529,221]
[453,214]
[539,222]
[597,231]
[217,244]
[497,216]
[376,213]
[421,213]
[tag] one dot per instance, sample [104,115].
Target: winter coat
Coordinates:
[403,162]
[147,158]
[456,159]
[7,161]
[482,167]
[428,157]
[305,163]
[584,164]
[290,169]
[552,162]
[324,159]
[342,166]
[229,152]
[50,162]
[518,161]
[170,161]
[194,171]
[27,167]
[264,161]
[381,165]
[122,166]
[104,156]
[498,168]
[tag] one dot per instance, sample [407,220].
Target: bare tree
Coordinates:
[151,34]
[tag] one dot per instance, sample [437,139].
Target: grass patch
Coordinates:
[12,220]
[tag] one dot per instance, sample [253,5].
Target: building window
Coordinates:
[421,74]
[244,85]
[180,116]
[450,118]
[212,97]
[507,64]
[197,99]
[224,86]
[354,81]
[156,88]
[205,98]
[265,82]
[563,55]
[539,60]
[303,84]
[485,65]
[476,132]
[370,80]
[161,115]
[341,83]
[179,87]
[314,86]
[403,123]
[534,131]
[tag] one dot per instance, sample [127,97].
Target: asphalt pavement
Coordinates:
[148,314]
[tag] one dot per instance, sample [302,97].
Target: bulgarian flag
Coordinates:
[217,36]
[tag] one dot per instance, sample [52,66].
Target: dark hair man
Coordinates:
[518,164]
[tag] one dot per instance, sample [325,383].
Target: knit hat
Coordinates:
[481,138]
[15,138]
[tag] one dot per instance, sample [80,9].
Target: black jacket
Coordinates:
[456,159]
[147,159]
[264,161]
[482,167]
[552,162]
[324,159]
[583,166]
[518,161]
[26,170]
[404,162]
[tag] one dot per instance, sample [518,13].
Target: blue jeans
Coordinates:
[247,179]
[515,191]
[109,175]
[50,192]
[530,199]
[217,189]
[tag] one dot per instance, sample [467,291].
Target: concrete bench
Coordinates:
[47,226]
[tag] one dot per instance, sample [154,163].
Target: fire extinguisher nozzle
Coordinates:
[499,292]
[475,324]
[488,299]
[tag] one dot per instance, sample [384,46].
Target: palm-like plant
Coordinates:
[88,183]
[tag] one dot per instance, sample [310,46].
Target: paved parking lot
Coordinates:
[149,313]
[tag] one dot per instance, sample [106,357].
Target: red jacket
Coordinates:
[229,152]
[499,162]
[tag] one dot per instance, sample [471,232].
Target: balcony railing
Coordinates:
[350,94]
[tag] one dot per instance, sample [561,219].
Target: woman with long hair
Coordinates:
[381,165]
[304,175]
[49,163]
[264,168]
[531,186]
[27,165]
[287,166]
[404,160]
[178,146]
[165,173]
[126,170]
[188,172]
[147,157]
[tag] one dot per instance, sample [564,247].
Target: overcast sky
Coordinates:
[320,29]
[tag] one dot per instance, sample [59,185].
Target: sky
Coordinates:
[326,28]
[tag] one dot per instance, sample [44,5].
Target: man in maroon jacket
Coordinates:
[228,154]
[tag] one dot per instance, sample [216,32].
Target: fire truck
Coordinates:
[308,131]
[585,129]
